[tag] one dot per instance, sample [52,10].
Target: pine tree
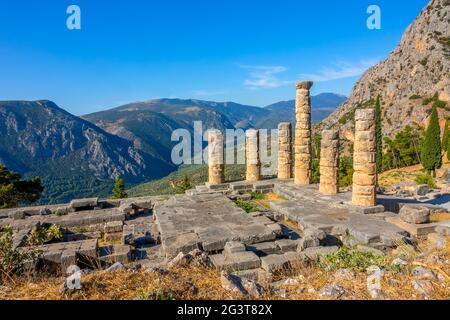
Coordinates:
[446,135]
[119,189]
[379,135]
[432,150]
[14,191]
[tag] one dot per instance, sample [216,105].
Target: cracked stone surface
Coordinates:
[207,221]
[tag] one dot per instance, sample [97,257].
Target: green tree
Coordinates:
[431,150]
[119,189]
[379,135]
[14,191]
[184,185]
[446,135]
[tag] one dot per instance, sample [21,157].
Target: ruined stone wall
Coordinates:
[364,159]
[329,162]
[216,161]
[284,150]
[303,134]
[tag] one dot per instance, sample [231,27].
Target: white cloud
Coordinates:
[265,77]
[340,70]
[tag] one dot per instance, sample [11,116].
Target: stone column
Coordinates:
[302,148]
[329,162]
[284,150]
[364,159]
[252,156]
[216,157]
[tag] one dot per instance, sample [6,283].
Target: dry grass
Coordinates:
[268,198]
[179,283]
[392,177]
[440,216]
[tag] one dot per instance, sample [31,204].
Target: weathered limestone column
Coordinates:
[284,150]
[364,159]
[252,156]
[329,162]
[216,157]
[302,171]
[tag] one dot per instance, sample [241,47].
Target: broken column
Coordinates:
[303,134]
[364,159]
[284,150]
[252,156]
[329,162]
[216,157]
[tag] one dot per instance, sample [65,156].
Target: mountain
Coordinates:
[73,157]
[149,124]
[415,76]
[322,106]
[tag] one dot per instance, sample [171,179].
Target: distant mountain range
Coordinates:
[80,156]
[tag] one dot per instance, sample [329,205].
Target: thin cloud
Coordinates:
[340,70]
[265,77]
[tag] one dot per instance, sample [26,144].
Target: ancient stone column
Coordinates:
[302,171]
[364,159]
[252,156]
[284,150]
[216,161]
[329,162]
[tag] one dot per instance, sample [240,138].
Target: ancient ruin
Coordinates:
[364,159]
[216,161]
[207,224]
[285,151]
[329,162]
[303,136]
[252,156]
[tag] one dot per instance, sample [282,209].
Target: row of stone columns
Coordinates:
[365,176]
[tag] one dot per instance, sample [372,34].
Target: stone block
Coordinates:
[214,238]
[79,204]
[113,227]
[443,228]
[185,243]
[314,254]
[237,262]
[276,229]
[417,230]
[287,245]
[68,259]
[274,263]
[264,249]
[17,215]
[232,247]
[415,214]
[371,210]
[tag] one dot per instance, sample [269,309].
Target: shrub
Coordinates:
[42,236]
[345,171]
[247,206]
[425,178]
[184,185]
[12,260]
[346,258]
[158,295]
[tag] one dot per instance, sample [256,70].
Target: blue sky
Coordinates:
[247,51]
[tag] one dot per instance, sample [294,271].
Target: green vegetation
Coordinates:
[379,135]
[425,178]
[156,295]
[431,156]
[14,191]
[257,195]
[118,191]
[315,171]
[438,104]
[345,171]
[404,149]
[12,261]
[347,258]
[247,206]
[424,61]
[445,137]
[184,185]
[415,97]
[349,116]
[42,236]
